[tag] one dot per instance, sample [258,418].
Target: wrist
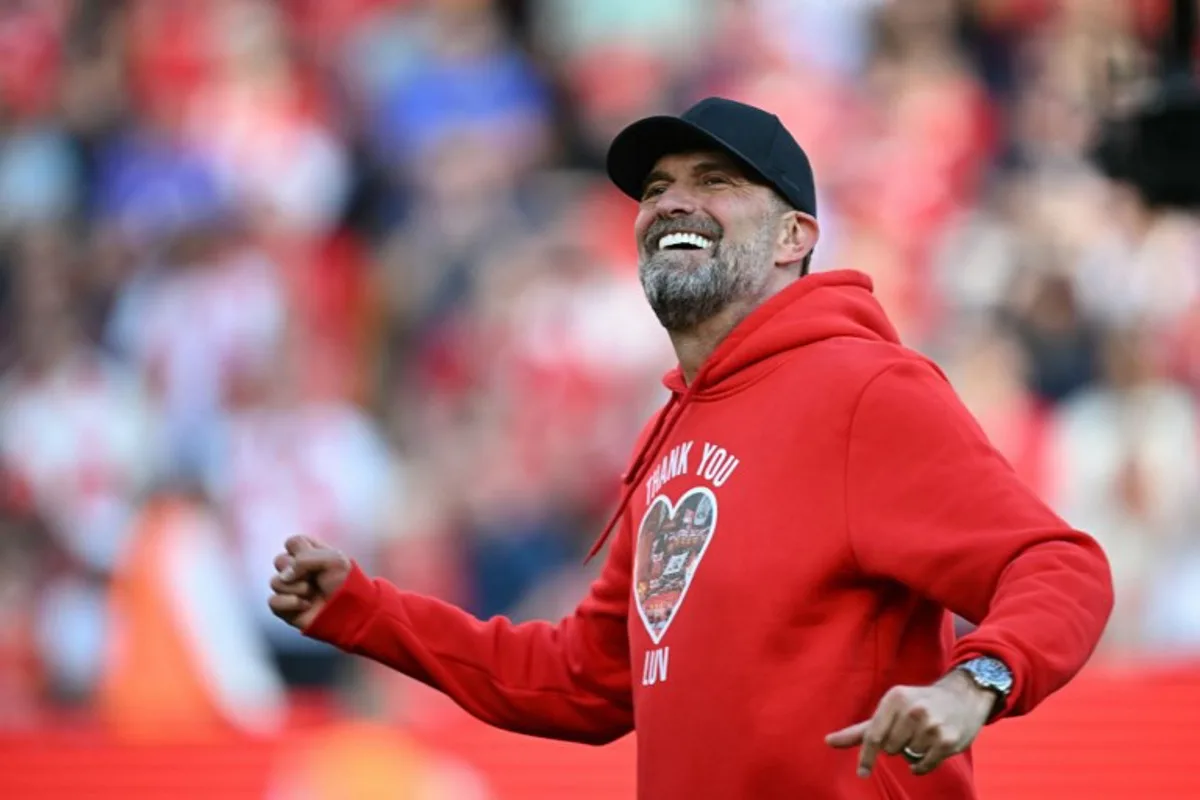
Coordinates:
[978,697]
[990,675]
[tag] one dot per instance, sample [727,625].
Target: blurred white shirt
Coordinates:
[317,470]
[194,330]
[80,436]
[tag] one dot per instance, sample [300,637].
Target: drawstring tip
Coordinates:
[601,539]
[595,548]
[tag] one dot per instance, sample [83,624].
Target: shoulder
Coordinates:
[849,366]
[907,395]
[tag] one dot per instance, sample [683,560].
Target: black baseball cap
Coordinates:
[754,138]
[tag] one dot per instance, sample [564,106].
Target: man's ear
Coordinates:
[798,234]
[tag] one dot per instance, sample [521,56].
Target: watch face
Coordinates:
[991,672]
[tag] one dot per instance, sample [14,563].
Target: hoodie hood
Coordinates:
[825,305]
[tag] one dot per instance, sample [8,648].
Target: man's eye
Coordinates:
[652,191]
[715,180]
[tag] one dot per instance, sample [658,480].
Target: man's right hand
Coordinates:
[307,575]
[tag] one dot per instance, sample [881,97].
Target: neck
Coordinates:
[695,345]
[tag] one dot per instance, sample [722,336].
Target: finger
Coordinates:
[282,562]
[297,544]
[908,724]
[848,737]
[288,605]
[874,737]
[934,756]
[926,740]
[309,563]
[297,588]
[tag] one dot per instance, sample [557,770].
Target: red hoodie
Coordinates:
[794,529]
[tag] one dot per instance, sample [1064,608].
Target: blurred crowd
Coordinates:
[351,269]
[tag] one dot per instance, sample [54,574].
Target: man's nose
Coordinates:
[675,201]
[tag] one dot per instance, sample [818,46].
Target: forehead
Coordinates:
[685,162]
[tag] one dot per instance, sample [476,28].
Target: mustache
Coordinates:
[705,226]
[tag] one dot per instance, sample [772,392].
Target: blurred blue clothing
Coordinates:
[153,189]
[438,98]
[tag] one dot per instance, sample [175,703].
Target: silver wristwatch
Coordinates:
[989,673]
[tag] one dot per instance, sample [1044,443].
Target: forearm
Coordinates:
[556,681]
[933,506]
[1047,613]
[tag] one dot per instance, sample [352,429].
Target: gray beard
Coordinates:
[685,294]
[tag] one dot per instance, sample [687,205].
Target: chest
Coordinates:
[733,527]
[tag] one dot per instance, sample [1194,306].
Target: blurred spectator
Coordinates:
[256,124]
[77,430]
[1061,343]
[554,333]
[1128,471]
[31,38]
[233,298]
[74,424]
[671,27]
[294,457]
[1144,267]
[989,369]
[183,662]
[1172,604]
[38,174]
[23,547]
[464,206]
[831,36]
[1171,611]
[467,80]
[976,263]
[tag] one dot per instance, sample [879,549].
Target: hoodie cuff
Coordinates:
[347,612]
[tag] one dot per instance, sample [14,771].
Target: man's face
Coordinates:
[706,235]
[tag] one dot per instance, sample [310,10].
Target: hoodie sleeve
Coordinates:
[568,681]
[931,504]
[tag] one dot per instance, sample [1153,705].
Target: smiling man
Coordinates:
[829,503]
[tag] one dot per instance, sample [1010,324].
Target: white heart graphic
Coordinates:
[670,544]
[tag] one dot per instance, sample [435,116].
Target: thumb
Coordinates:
[848,737]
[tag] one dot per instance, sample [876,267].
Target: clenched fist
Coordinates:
[307,575]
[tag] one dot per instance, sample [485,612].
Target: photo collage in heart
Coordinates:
[671,542]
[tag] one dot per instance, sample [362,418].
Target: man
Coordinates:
[851,504]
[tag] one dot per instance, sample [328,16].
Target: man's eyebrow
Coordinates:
[654,176]
[719,165]
[722,165]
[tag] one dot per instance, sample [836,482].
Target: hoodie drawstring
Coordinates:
[670,415]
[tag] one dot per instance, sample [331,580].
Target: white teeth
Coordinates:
[694,239]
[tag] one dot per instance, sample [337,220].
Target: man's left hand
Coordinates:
[935,721]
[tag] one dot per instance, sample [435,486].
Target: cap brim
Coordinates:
[636,149]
